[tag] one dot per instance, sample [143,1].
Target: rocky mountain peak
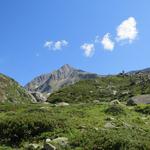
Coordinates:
[65,75]
[66,68]
[62,73]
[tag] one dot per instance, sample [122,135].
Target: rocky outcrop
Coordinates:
[141,99]
[39,96]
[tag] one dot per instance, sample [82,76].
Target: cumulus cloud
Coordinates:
[59,44]
[48,44]
[107,43]
[127,30]
[88,49]
[55,45]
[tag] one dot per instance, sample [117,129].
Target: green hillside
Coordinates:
[103,89]
[85,126]
[11,91]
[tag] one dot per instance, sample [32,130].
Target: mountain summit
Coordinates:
[66,75]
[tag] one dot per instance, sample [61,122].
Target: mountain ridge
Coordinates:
[65,75]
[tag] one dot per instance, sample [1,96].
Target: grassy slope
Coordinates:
[103,89]
[83,124]
[11,91]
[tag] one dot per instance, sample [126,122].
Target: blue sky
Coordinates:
[38,36]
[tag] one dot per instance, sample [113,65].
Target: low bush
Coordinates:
[115,109]
[24,127]
[145,109]
[115,139]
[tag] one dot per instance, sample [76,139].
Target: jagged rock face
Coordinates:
[39,96]
[51,82]
[11,91]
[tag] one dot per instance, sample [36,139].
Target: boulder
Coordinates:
[141,99]
[62,104]
[39,96]
[115,102]
[109,125]
[114,92]
[48,140]
[33,146]
[62,141]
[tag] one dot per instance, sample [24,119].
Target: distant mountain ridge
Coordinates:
[66,75]
[144,71]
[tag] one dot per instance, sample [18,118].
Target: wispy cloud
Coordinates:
[127,30]
[55,45]
[88,49]
[107,43]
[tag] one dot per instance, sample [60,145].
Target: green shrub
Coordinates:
[115,109]
[120,139]
[22,127]
[145,109]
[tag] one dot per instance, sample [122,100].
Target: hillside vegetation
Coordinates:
[93,116]
[103,89]
[86,126]
[11,91]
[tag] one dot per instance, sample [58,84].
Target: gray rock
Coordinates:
[39,96]
[114,92]
[62,104]
[114,102]
[141,99]
[48,140]
[63,141]
[109,125]
[33,146]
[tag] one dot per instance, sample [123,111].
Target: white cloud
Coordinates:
[88,49]
[58,45]
[127,30]
[48,44]
[107,42]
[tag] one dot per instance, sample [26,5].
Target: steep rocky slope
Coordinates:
[51,82]
[11,91]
